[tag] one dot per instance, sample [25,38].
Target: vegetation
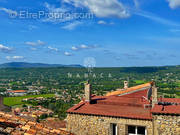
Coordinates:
[68,83]
[11,101]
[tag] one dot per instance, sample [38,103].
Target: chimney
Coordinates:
[87,88]
[29,110]
[154,94]
[125,84]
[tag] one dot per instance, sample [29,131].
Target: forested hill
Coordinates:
[102,79]
[33,65]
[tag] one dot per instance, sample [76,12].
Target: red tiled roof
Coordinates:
[119,106]
[127,105]
[171,109]
[21,126]
[129,90]
[17,91]
[168,109]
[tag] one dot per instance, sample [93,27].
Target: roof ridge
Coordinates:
[129,90]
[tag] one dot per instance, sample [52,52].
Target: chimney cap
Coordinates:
[153,83]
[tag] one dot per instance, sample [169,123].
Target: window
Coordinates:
[136,130]
[114,129]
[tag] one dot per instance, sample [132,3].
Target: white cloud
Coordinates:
[67,54]
[155,18]
[174,3]
[5,48]
[102,8]
[9,11]
[72,25]
[32,27]
[53,9]
[83,46]
[53,49]
[74,48]
[136,3]
[56,14]
[39,42]
[101,22]
[14,57]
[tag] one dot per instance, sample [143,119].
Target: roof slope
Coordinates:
[129,103]
[14,125]
[17,91]
[130,90]
[168,109]
[131,106]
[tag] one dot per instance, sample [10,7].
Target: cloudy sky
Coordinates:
[113,32]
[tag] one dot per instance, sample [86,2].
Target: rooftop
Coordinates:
[17,91]
[128,103]
[130,106]
[168,109]
[10,124]
[129,90]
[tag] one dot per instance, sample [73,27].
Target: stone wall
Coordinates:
[166,125]
[99,125]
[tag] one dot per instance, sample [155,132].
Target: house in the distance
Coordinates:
[17,92]
[129,111]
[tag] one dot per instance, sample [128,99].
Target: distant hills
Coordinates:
[34,65]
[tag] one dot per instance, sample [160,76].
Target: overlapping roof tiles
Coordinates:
[130,103]
[17,91]
[168,109]
[119,106]
[129,90]
[10,124]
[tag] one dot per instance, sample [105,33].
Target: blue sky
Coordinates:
[113,32]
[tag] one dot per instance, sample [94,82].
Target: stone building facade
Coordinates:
[166,124]
[101,125]
[126,112]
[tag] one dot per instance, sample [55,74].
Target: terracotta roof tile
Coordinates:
[131,89]
[118,106]
[46,130]
[31,123]
[167,109]
[129,103]
[16,91]
[39,126]
[24,127]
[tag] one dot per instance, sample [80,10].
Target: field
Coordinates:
[139,81]
[11,101]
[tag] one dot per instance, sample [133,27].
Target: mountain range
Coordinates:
[34,65]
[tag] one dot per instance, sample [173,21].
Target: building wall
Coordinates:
[166,125]
[97,125]
[18,94]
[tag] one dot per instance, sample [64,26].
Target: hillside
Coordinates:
[33,65]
